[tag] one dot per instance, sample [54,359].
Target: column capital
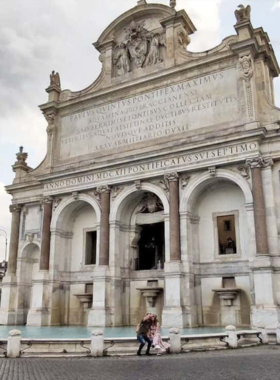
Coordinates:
[172,177]
[15,208]
[104,189]
[46,200]
[259,162]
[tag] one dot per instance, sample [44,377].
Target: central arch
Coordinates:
[128,227]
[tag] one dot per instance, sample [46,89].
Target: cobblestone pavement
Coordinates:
[260,363]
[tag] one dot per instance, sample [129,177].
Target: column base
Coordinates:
[38,317]
[8,313]
[265,316]
[99,317]
[39,313]
[175,317]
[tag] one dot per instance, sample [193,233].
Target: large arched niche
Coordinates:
[203,187]
[71,220]
[125,232]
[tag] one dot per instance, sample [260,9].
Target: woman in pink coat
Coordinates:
[158,343]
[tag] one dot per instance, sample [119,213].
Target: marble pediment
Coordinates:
[139,39]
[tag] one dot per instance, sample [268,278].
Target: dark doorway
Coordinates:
[151,246]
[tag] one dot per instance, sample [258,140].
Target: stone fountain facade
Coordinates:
[142,168]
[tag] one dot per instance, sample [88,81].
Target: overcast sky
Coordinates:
[38,36]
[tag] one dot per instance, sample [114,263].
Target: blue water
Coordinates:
[29,332]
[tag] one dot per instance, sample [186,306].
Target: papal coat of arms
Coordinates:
[140,46]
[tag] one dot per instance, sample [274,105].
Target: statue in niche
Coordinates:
[150,204]
[154,56]
[243,14]
[55,79]
[121,58]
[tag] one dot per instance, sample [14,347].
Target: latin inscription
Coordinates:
[165,164]
[198,103]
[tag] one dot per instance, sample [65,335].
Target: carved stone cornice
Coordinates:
[259,162]
[172,177]
[15,208]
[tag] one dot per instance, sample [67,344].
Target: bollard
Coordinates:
[278,334]
[14,343]
[175,340]
[264,335]
[232,336]
[97,343]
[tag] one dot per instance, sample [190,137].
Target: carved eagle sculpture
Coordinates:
[243,13]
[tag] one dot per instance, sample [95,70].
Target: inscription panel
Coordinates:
[184,162]
[186,106]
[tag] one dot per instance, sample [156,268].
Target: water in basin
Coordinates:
[78,332]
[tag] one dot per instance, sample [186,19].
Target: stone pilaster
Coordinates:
[8,312]
[46,233]
[13,253]
[256,165]
[264,308]
[104,224]
[175,246]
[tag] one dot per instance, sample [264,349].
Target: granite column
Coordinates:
[46,234]
[256,165]
[104,225]
[175,244]
[13,252]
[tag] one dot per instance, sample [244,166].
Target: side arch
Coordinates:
[145,186]
[65,203]
[201,181]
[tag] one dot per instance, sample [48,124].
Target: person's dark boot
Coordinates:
[139,349]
